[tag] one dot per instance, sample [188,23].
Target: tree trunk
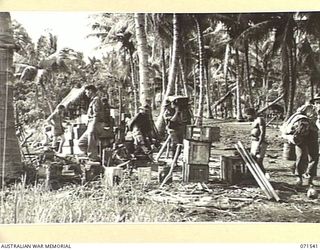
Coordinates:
[238,90]
[183,77]
[208,97]
[134,85]
[10,164]
[36,101]
[172,72]
[144,91]
[201,71]
[248,74]
[163,71]
[194,91]
[312,87]
[228,106]
[292,77]
[288,60]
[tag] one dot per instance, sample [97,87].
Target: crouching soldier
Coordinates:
[141,127]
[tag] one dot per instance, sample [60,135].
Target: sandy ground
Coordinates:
[245,202]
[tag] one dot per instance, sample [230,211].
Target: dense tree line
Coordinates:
[223,62]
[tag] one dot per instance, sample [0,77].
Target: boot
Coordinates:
[298,182]
[310,181]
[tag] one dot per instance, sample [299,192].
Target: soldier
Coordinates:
[108,136]
[310,111]
[174,124]
[258,137]
[56,119]
[89,140]
[141,127]
[301,130]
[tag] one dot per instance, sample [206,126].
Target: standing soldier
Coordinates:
[258,137]
[56,119]
[108,135]
[175,124]
[89,140]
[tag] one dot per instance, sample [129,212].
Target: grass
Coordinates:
[92,203]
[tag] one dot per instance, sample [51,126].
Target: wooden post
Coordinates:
[162,148]
[175,158]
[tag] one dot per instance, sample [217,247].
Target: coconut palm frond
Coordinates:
[254,31]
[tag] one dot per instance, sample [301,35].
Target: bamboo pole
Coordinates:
[253,172]
[268,106]
[259,171]
[252,163]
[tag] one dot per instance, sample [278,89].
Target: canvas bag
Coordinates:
[296,128]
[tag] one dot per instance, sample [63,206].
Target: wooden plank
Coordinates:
[253,172]
[162,148]
[259,171]
[255,167]
[175,158]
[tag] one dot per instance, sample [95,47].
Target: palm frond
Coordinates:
[256,31]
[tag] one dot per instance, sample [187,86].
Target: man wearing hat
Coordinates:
[174,124]
[89,140]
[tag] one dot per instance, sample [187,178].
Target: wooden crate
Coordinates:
[204,133]
[144,175]
[233,169]
[92,170]
[156,165]
[195,173]
[196,152]
[112,176]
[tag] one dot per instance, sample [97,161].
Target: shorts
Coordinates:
[255,150]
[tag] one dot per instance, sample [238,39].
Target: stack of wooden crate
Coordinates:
[196,152]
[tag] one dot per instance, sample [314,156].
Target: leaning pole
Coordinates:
[10,156]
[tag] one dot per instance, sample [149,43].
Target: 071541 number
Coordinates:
[308,246]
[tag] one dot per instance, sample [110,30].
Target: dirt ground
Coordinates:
[245,202]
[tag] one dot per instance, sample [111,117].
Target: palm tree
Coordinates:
[173,68]
[144,90]
[284,27]
[201,67]
[115,29]
[11,166]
